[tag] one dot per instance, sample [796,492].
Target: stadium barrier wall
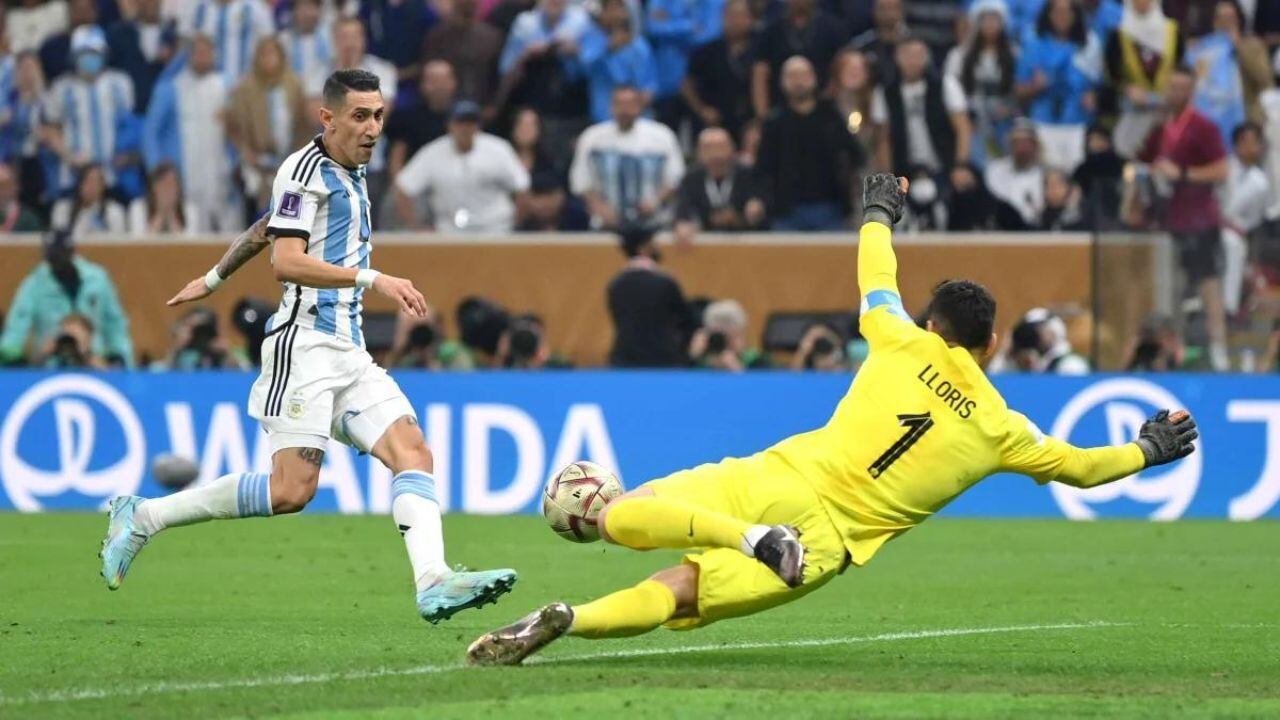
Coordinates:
[563,277]
[71,441]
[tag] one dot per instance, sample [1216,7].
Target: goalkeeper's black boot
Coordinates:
[512,644]
[780,550]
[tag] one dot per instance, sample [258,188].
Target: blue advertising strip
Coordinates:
[72,441]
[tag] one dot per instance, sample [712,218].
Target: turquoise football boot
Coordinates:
[123,541]
[461,590]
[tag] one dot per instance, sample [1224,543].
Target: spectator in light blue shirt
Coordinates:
[674,29]
[614,57]
[1056,78]
[553,26]
[62,285]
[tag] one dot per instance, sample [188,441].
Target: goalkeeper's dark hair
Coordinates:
[342,82]
[963,313]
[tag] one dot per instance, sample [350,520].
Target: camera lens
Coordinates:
[717,342]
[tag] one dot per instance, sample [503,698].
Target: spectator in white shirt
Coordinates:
[467,179]
[1017,181]
[1244,199]
[186,127]
[626,169]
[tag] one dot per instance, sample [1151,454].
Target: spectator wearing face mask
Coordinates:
[927,123]
[84,110]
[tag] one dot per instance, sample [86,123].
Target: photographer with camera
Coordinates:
[420,343]
[721,342]
[199,345]
[822,349]
[524,347]
[72,347]
[62,285]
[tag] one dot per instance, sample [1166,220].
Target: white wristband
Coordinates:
[211,279]
[366,277]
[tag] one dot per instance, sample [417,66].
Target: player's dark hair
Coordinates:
[963,312]
[342,82]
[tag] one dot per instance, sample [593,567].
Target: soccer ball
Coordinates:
[573,498]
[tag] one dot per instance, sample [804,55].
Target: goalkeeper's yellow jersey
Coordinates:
[921,424]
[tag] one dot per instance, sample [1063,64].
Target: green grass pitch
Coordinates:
[312,616]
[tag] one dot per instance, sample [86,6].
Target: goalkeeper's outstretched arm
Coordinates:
[883,197]
[1164,438]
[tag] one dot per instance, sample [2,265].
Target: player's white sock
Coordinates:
[417,514]
[751,537]
[235,495]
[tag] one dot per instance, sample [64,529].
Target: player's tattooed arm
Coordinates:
[314,456]
[244,248]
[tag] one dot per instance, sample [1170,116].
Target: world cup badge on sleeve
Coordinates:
[290,205]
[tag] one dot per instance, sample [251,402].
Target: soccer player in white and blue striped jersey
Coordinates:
[318,382]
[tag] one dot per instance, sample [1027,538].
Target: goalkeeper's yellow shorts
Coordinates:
[761,489]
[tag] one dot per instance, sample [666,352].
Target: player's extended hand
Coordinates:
[1167,437]
[194,290]
[403,292]
[883,197]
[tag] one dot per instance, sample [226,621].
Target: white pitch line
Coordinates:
[163,688]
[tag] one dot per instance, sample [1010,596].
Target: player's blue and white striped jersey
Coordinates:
[317,199]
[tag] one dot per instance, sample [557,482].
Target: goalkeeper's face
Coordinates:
[356,126]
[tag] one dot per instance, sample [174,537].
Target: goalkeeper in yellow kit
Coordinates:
[920,424]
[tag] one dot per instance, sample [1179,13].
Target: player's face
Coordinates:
[357,125]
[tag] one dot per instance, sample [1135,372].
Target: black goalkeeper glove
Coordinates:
[882,199]
[1165,438]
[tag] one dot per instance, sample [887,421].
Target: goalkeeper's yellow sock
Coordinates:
[633,611]
[647,522]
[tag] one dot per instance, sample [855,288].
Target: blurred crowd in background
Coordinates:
[159,117]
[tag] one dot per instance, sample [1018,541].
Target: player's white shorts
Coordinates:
[314,387]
